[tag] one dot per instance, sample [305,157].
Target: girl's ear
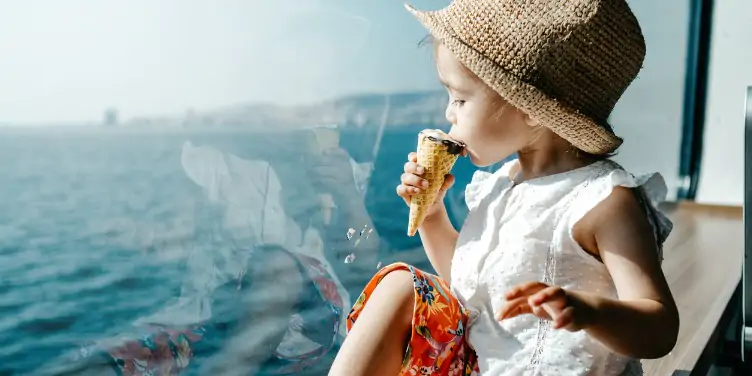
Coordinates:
[530,121]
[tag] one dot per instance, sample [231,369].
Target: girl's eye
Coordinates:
[458,103]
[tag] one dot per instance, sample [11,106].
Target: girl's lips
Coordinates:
[464,151]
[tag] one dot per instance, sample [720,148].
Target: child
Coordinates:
[557,268]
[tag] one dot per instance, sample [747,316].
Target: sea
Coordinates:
[92,221]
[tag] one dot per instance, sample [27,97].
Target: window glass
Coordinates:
[649,115]
[220,176]
[723,159]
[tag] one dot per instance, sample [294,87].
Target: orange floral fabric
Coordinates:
[437,344]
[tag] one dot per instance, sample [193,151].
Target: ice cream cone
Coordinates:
[437,153]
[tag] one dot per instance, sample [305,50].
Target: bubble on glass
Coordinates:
[350,234]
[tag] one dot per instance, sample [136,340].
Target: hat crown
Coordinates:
[584,53]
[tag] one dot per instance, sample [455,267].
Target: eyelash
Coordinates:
[458,103]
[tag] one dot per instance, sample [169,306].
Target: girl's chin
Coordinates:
[481,162]
[477,162]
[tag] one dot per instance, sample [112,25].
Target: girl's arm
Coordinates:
[644,321]
[439,238]
[438,235]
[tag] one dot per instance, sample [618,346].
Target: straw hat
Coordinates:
[563,62]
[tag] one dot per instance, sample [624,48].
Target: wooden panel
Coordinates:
[703,264]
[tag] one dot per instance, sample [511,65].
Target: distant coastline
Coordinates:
[353,111]
[356,111]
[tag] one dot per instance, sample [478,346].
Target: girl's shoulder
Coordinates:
[605,188]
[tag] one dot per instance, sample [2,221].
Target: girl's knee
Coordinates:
[398,288]
[401,281]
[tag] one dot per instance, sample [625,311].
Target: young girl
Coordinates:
[557,268]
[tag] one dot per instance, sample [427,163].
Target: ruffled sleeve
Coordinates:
[473,191]
[483,182]
[651,191]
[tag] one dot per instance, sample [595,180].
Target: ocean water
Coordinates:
[93,221]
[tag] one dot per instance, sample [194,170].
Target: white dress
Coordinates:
[517,233]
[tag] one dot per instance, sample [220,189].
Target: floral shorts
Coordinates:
[437,344]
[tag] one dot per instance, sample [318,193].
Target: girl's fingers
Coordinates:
[413,180]
[541,313]
[553,294]
[565,320]
[448,182]
[513,308]
[402,191]
[525,289]
[414,168]
[406,191]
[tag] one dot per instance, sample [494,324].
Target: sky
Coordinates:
[69,60]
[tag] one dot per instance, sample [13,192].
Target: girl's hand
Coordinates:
[412,183]
[552,303]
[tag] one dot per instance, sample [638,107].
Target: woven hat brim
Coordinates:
[580,130]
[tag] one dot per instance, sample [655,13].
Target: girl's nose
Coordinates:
[450,116]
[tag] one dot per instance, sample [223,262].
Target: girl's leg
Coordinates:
[376,344]
[406,322]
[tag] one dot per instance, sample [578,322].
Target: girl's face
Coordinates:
[492,128]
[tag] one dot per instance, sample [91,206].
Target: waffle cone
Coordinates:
[437,162]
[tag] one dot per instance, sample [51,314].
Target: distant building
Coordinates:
[111,117]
